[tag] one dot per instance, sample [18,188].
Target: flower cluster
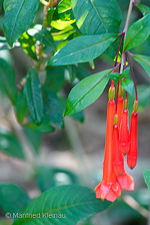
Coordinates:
[118,143]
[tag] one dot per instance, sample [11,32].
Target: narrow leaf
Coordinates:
[144,61]
[86,92]
[18,17]
[75,203]
[20,106]
[82,49]
[97,16]
[7,80]
[32,90]
[144,9]
[137,33]
[13,199]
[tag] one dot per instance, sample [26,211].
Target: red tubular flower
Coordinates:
[133,151]
[118,159]
[124,133]
[109,187]
[126,181]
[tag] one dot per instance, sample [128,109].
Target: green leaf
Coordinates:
[52,108]
[97,16]
[63,15]
[3,44]
[12,198]
[82,49]
[128,85]
[144,9]
[137,33]
[44,127]
[57,176]
[20,106]
[34,138]
[147,178]
[9,144]
[86,92]
[76,203]
[28,44]
[7,80]
[43,35]
[63,34]
[144,96]
[54,78]
[32,90]
[18,17]
[144,61]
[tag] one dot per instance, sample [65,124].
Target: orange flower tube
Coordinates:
[109,188]
[133,151]
[124,133]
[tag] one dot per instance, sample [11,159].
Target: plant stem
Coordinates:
[136,95]
[128,18]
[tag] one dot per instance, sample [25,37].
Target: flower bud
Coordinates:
[133,151]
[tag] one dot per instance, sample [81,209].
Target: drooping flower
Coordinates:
[133,151]
[109,188]
[118,159]
[124,130]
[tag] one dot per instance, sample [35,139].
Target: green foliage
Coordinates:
[7,80]
[127,85]
[144,9]
[147,178]
[93,17]
[32,90]
[52,108]
[75,203]
[13,199]
[43,35]
[82,49]
[137,33]
[86,92]
[18,17]
[10,145]
[144,61]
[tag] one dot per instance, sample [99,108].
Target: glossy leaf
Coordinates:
[63,34]
[10,145]
[32,90]
[54,78]
[13,199]
[52,108]
[137,33]
[147,178]
[97,16]
[144,61]
[18,17]
[43,35]
[76,203]
[7,80]
[28,44]
[128,85]
[57,176]
[82,49]
[63,16]
[86,92]
[144,9]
